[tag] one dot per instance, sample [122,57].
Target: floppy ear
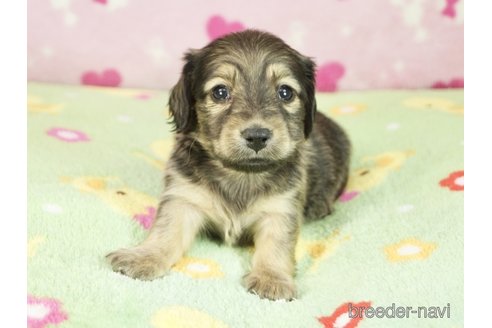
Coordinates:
[308,67]
[181,100]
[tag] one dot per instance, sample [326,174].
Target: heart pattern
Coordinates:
[108,78]
[450,10]
[457,83]
[217,26]
[327,76]
[156,52]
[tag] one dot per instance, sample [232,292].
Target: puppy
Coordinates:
[252,161]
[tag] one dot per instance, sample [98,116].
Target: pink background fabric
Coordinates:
[357,44]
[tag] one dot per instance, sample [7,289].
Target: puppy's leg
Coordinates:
[173,231]
[273,263]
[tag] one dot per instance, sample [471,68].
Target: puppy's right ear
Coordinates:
[181,100]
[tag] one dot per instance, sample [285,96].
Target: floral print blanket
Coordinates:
[393,246]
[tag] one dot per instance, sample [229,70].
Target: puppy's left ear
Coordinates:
[308,67]
[181,100]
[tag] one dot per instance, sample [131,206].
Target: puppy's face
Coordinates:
[248,99]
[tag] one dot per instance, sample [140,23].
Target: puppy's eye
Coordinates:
[220,92]
[285,92]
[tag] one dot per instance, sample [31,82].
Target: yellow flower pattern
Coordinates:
[161,151]
[348,109]
[198,268]
[38,105]
[439,104]
[114,192]
[33,244]
[375,169]
[319,249]
[409,249]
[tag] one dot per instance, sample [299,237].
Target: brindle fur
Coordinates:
[212,184]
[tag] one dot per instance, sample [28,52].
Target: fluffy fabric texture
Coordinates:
[95,158]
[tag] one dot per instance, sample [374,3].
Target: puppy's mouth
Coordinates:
[251,165]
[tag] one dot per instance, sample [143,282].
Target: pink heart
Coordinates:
[457,83]
[108,78]
[439,85]
[217,26]
[450,10]
[327,76]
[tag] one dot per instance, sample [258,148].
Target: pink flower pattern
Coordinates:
[44,311]
[146,219]
[67,135]
[348,196]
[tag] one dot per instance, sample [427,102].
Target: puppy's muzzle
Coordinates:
[256,138]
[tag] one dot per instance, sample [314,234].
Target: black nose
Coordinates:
[256,138]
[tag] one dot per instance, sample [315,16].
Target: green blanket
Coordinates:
[95,160]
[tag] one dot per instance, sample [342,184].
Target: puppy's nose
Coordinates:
[256,138]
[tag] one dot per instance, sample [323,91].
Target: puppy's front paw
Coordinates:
[271,285]
[138,263]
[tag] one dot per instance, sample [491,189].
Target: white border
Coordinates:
[478,162]
[13,136]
